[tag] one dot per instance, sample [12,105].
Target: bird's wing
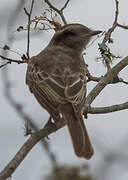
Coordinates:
[64,82]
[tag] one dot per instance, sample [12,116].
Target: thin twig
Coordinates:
[13,60]
[60,12]
[97,79]
[122,26]
[107,37]
[109,32]
[91,78]
[11,51]
[109,109]
[105,80]
[65,5]
[29,24]
[4,64]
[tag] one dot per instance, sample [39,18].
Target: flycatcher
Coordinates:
[57,78]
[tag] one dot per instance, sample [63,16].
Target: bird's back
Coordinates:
[59,71]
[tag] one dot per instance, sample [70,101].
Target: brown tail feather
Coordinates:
[80,139]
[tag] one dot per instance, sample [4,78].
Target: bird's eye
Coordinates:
[68,33]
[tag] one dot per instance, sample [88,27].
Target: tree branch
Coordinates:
[29,24]
[7,48]
[104,81]
[13,60]
[109,109]
[97,79]
[60,12]
[65,5]
[122,26]
[4,64]
[28,145]
[105,54]
[109,32]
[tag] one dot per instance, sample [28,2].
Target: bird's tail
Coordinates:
[80,139]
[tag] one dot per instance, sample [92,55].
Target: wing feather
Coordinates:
[69,86]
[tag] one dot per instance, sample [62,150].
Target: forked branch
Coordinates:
[60,12]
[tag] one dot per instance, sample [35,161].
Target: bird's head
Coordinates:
[75,36]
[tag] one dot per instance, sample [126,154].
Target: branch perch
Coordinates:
[109,109]
[105,80]
[28,145]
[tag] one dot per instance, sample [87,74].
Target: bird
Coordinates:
[57,78]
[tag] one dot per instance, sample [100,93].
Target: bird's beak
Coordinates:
[93,33]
